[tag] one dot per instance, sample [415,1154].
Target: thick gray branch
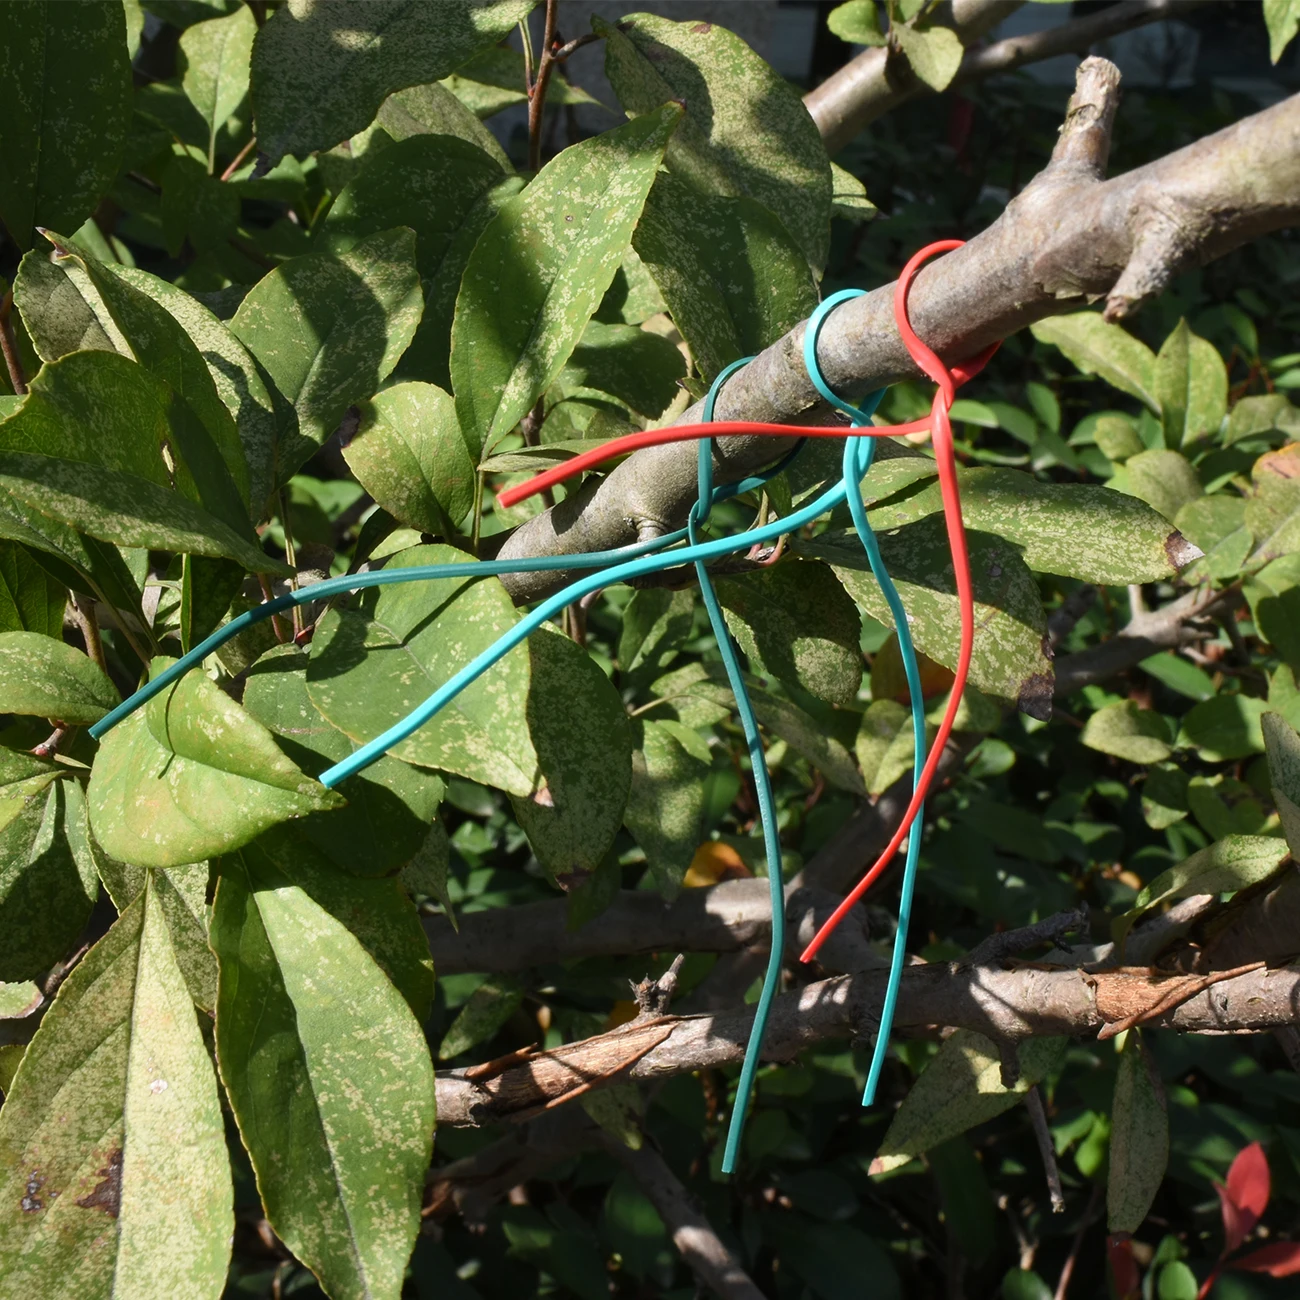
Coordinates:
[1007,1005]
[1067,238]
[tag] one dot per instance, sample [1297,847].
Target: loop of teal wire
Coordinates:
[858,455]
[623,565]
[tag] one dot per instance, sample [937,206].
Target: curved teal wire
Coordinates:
[762,786]
[858,455]
[415,573]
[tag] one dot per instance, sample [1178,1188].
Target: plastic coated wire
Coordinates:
[762,786]
[415,573]
[946,381]
[858,455]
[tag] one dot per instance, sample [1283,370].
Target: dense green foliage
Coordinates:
[253,366]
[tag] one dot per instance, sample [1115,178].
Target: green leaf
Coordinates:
[1139,1138]
[236,375]
[1179,675]
[1008,662]
[654,624]
[1231,863]
[18,1001]
[849,199]
[213,63]
[1099,348]
[1021,1284]
[485,1011]
[634,365]
[1165,480]
[961,1087]
[61,310]
[113,1165]
[202,426]
[541,268]
[1264,413]
[857,22]
[47,876]
[408,453]
[885,746]
[838,1261]
[1129,732]
[444,189]
[584,769]
[182,894]
[329,329]
[45,678]
[65,100]
[30,599]
[196,207]
[1164,796]
[934,53]
[322,68]
[666,805]
[1273,508]
[369,670]
[1177,1281]
[1224,728]
[434,110]
[377,911]
[1284,771]
[389,804]
[1116,437]
[330,1080]
[426,872]
[1191,384]
[1274,596]
[494,79]
[191,775]
[86,448]
[1282,17]
[746,131]
[796,622]
[693,245]
[1075,530]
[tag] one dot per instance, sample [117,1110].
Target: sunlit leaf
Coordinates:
[1139,1138]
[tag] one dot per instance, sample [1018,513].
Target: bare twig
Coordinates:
[653,996]
[50,745]
[1005,1005]
[1046,1149]
[562,52]
[9,346]
[83,610]
[537,91]
[700,1247]
[239,159]
[1010,943]
[1086,1222]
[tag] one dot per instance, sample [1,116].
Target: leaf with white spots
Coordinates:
[113,1169]
[369,669]
[329,1076]
[1009,661]
[746,129]
[47,877]
[321,68]
[213,63]
[65,101]
[191,775]
[45,678]
[444,189]
[541,268]
[579,729]
[329,328]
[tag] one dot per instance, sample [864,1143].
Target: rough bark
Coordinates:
[1007,1005]
[1069,238]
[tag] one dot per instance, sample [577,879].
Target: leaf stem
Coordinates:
[17,376]
[84,612]
[291,558]
[239,159]
[537,91]
[479,483]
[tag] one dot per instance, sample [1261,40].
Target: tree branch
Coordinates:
[1067,238]
[878,79]
[700,1247]
[1007,1005]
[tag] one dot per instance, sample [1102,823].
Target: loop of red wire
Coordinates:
[939,423]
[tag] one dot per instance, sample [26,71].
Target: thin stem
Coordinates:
[277,623]
[480,480]
[239,159]
[562,54]
[84,613]
[537,93]
[17,376]
[526,37]
[50,745]
[1067,1269]
[291,558]
[1046,1148]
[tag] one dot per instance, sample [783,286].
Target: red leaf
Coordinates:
[1123,1267]
[1248,1184]
[1281,1259]
[1235,1229]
